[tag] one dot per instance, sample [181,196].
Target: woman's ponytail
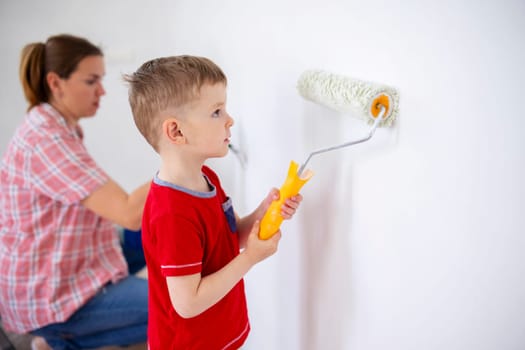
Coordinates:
[32,74]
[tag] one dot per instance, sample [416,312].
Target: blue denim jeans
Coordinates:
[117,315]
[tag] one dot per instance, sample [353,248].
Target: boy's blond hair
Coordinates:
[164,83]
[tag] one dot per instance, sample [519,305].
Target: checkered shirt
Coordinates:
[55,254]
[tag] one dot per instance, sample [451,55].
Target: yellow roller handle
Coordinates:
[272,219]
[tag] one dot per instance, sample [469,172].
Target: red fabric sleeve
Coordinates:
[180,246]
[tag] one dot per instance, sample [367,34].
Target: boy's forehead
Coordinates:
[213,94]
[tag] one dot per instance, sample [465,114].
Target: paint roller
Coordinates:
[376,103]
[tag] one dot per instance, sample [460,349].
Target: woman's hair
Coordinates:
[167,83]
[59,54]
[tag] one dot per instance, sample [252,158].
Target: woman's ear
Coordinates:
[53,81]
[171,129]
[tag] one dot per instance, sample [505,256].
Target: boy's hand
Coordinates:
[288,208]
[258,249]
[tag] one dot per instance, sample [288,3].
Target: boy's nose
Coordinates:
[230,121]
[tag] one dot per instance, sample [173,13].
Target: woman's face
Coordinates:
[79,95]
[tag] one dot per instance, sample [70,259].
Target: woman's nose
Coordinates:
[100,90]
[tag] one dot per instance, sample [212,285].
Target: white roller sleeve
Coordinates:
[345,94]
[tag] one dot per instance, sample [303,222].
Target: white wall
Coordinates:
[413,240]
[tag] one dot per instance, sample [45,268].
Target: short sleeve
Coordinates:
[62,169]
[180,246]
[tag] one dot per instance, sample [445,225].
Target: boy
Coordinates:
[191,235]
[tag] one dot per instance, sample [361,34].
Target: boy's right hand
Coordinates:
[258,249]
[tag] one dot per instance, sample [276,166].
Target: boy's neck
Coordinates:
[185,174]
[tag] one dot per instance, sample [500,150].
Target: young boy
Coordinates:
[191,235]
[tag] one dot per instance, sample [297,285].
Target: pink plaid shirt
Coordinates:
[55,254]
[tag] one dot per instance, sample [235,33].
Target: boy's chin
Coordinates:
[219,154]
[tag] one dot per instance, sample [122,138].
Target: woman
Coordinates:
[63,275]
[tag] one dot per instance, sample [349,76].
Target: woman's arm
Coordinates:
[113,203]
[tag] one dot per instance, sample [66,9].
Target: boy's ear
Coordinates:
[171,129]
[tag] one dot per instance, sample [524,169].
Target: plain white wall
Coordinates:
[412,240]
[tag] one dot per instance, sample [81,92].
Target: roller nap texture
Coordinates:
[345,94]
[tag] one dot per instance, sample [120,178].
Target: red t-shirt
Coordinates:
[186,232]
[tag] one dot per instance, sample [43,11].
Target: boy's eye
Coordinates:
[217,113]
